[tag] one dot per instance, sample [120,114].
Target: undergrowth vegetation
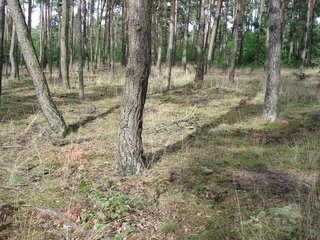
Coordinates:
[215,169]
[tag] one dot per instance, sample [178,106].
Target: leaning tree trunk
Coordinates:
[235,43]
[224,43]
[212,42]
[185,37]
[2,17]
[49,109]
[170,45]
[80,53]
[274,68]
[132,160]
[64,58]
[200,58]
[14,74]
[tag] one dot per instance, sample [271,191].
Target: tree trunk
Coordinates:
[64,58]
[160,37]
[175,33]
[243,31]
[185,37]
[2,17]
[112,38]
[132,160]
[80,52]
[91,35]
[257,53]
[292,29]
[14,73]
[84,24]
[70,40]
[42,36]
[274,68]
[49,14]
[170,45]
[200,58]
[49,109]
[124,32]
[307,33]
[235,43]
[212,42]
[225,61]
[29,15]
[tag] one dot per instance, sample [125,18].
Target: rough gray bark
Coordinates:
[274,68]
[185,37]
[2,17]
[212,42]
[200,43]
[80,53]
[64,55]
[232,68]
[131,159]
[224,49]
[14,73]
[170,45]
[49,109]
[307,33]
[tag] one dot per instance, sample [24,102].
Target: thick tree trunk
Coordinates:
[274,68]
[64,56]
[80,52]
[212,42]
[2,17]
[49,109]
[170,45]
[224,48]
[235,43]
[307,33]
[131,161]
[200,56]
[185,37]
[14,73]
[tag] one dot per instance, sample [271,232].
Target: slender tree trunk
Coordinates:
[243,31]
[29,15]
[260,10]
[49,109]
[170,45]
[185,37]
[42,36]
[91,25]
[124,32]
[49,13]
[235,43]
[307,33]
[71,40]
[105,37]
[212,42]
[84,24]
[175,33]
[224,48]
[64,58]
[292,29]
[13,55]
[80,52]
[2,18]
[274,68]
[112,39]
[131,158]
[160,37]
[200,58]
[283,17]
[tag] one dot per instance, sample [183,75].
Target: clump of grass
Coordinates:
[169,227]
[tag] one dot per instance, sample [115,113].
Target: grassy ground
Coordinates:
[217,171]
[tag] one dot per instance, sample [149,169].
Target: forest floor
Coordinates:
[217,171]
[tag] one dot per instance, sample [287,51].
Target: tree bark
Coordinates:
[112,38]
[29,15]
[80,52]
[64,55]
[124,32]
[49,109]
[185,37]
[224,48]
[292,29]
[307,33]
[243,31]
[91,35]
[49,13]
[213,35]
[274,68]
[131,158]
[160,37]
[200,58]
[14,73]
[260,10]
[2,18]
[42,36]
[235,43]
[170,45]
